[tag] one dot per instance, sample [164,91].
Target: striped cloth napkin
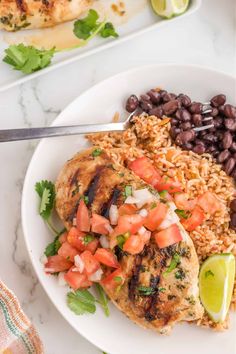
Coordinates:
[17,334]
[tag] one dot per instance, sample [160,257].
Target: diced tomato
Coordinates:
[134,244]
[67,251]
[155,216]
[209,203]
[168,237]
[143,168]
[145,236]
[82,217]
[91,265]
[63,237]
[106,257]
[169,185]
[197,217]
[76,239]
[130,223]
[100,224]
[56,264]
[76,280]
[182,202]
[113,280]
[127,209]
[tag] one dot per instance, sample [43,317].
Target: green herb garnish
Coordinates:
[87,239]
[153,205]
[145,290]
[181,213]
[128,191]
[173,264]
[108,31]
[163,194]
[209,273]
[47,194]
[161,290]
[81,301]
[103,299]
[53,247]
[180,274]
[96,152]
[121,239]
[27,59]
[118,279]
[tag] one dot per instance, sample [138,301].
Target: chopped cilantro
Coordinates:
[118,279]
[161,290]
[96,152]
[180,274]
[81,301]
[173,264]
[53,247]
[181,213]
[103,299]
[87,239]
[209,273]
[163,194]
[108,31]
[145,290]
[153,205]
[121,239]
[128,191]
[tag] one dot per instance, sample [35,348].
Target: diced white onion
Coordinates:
[74,222]
[143,196]
[131,200]
[49,270]
[142,230]
[109,228]
[113,214]
[104,241]
[79,263]
[172,206]
[170,219]
[143,213]
[61,279]
[97,276]
[43,259]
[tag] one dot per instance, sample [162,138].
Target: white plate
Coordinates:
[117,334]
[140,19]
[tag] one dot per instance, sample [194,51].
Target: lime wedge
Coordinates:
[169,8]
[216,282]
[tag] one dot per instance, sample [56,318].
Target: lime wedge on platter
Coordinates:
[169,8]
[216,281]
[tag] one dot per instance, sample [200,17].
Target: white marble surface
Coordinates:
[206,38]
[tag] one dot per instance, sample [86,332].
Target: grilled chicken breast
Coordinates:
[18,14]
[172,296]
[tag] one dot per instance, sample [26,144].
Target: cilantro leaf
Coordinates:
[47,194]
[87,239]
[81,301]
[85,27]
[128,191]
[121,239]
[145,290]
[96,152]
[108,31]
[103,299]
[173,264]
[181,213]
[53,247]
[28,59]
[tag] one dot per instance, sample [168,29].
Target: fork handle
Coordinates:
[45,132]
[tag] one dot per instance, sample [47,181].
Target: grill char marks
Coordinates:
[21,5]
[74,178]
[134,280]
[92,188]
[112,200]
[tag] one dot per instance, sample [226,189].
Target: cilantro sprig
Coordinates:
[29,59]
[47,195]
[103,299]
[81,302]
[173,264]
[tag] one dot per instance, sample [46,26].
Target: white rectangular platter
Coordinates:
[138,18]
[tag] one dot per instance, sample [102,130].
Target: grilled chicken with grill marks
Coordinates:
[18,14]
[150,296]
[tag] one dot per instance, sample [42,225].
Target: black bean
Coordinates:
[155,96]
[210,138]
[177,114]
[232,223]
[174,121]
[223,156]
[233,205]
[170,107]
[146,106]
[227,140]
[199,142]
[211,149]
[218,100]
[196,107]
[221,109]
[229,165]
[186,125]
[230,111]
[132,103]
[162,93]
[214,112]
[230,124]
[233,146]
[197,120]
[187,146]
[157,111]
[219,134]
[174,132]
[184,100]
[185,137]
[203,133]
[233,174]
[218,122]
[185,116]
[199,149]
[168,97]
[145,97]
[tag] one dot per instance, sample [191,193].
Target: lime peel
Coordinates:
[169,8]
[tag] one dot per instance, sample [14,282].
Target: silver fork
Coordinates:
[7,135]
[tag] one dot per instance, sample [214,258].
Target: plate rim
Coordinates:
[98,49]
[68,107]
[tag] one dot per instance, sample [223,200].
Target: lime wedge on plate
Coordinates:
[169,8]
[216,282]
